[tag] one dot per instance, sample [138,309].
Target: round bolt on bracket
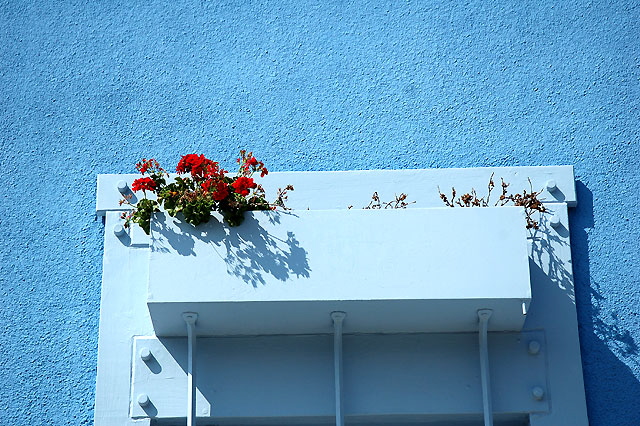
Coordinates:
[537,393]
[119,230]
[534,347]
[143,400]
[554,221]
[551,185]
[145,354]
[123,186]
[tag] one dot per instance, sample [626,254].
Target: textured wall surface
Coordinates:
[308,85]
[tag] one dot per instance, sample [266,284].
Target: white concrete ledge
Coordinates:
[338,190]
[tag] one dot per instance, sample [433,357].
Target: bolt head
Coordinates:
[555,221]
[537,393]
[484,314]
[145,354]
[534,347]
[119,230]
[122,186]
[338,315]
[190,317]
[551,185]
[143,400]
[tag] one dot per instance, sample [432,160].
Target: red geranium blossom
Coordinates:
[219,190]
[144,184]
[201,188]
[198,166]
[243,184]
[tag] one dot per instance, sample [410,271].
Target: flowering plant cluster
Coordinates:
[201,188]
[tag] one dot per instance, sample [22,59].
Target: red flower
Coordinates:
[198,166]
[243,184]
[144,184]
[250,164]
[219,190]
[148,165]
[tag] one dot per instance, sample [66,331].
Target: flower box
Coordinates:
[404,270]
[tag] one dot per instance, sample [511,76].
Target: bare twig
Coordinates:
[528,200]
[399,202]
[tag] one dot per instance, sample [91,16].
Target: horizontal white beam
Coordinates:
[420,376]
[338,190]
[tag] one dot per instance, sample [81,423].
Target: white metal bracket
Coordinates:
[533,369]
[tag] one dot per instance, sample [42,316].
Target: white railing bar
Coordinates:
[190,319]
[338,318]
[483,316]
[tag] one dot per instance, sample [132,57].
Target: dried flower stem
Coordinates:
[528,200]
[399,202]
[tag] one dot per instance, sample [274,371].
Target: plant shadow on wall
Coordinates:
[606,345]
[249,251]
[203,190]
[609,352]
[547,245]
[606,326]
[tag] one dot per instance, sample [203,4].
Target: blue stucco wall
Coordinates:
[308,85]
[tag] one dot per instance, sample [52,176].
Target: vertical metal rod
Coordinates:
[190,318]
[483,316]
[337,318]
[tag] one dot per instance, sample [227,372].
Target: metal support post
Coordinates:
[338,318]
[483,316]
[190,319]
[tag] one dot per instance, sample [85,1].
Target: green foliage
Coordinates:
[142,215]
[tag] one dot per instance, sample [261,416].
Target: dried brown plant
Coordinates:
[283,196]
[399,202]
[529,200]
